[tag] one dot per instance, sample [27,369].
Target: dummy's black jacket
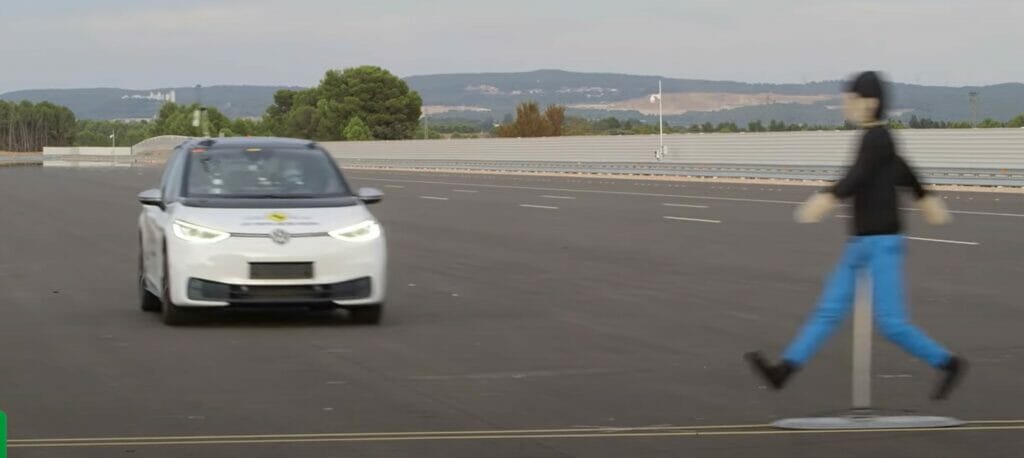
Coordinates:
[873,181]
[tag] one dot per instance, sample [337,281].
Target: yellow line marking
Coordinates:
[510,436]
[406,433]
[495,435]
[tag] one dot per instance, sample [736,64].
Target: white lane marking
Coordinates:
[470,191]
[545,207]
[433,198]
[679,218]
[685,205]
[844,216]
[546,196]
[954,242]
[967,212]
[393,186]
[589,191]
[649,194]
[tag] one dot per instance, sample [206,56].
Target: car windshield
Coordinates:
[262,172]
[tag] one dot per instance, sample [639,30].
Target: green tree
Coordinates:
[384,103]
[356,130]
[607,124]
[555,115]
[29,127]
[1018,121]
[989,123]
[915,123]
[577,126]
[529,122]
[250,127]
[174,119]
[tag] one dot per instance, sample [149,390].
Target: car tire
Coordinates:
[366,314]
[171,314]
[148,301]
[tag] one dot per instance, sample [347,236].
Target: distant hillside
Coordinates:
[609,94]
[112,103]
[493,96]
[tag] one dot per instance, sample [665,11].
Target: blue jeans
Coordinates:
[882,256]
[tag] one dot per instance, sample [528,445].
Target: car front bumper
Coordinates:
[218,274]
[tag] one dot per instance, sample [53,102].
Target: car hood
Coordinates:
[265,220]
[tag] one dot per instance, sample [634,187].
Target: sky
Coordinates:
[142,44]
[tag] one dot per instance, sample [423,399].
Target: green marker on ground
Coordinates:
[3,434]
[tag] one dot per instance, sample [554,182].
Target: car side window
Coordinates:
[169,184]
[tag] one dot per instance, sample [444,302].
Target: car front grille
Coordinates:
[205,290]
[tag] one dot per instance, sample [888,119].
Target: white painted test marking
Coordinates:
[596,191]
[679,218]
[433,198]
[954,242]
[558,197]
[393,186]
[468,191]
[545,207]
[650,194]
[685,205]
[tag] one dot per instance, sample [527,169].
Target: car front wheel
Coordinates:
[171,314]
[148,301]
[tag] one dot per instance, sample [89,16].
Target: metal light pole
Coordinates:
[113,141]
[661,126]
[973,96]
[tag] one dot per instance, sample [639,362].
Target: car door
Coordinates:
[155,219]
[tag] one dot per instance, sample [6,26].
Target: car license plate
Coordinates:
[280,270]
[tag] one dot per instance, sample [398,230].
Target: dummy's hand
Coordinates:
[816,207]
[934,210]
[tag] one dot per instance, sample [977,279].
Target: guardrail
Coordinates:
[974,177]
[974,157]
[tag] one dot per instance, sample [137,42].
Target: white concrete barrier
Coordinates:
[86,151]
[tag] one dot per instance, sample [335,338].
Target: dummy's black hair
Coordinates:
[869,85]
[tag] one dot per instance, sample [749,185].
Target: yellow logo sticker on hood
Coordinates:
[277,217]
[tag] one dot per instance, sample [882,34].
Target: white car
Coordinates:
[257,222]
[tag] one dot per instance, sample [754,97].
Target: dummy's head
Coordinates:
[864,99]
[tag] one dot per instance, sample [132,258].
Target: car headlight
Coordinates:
[197,234]
[362,232]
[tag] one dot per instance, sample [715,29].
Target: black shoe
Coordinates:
[952,372]
[775,374]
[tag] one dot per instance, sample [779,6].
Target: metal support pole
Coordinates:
[862,415]
[862,332]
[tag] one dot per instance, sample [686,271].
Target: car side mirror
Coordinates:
[370,195]
[152,197]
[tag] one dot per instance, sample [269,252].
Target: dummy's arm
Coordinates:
[933,209]
[814,209]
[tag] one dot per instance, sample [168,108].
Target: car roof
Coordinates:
[264,142]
